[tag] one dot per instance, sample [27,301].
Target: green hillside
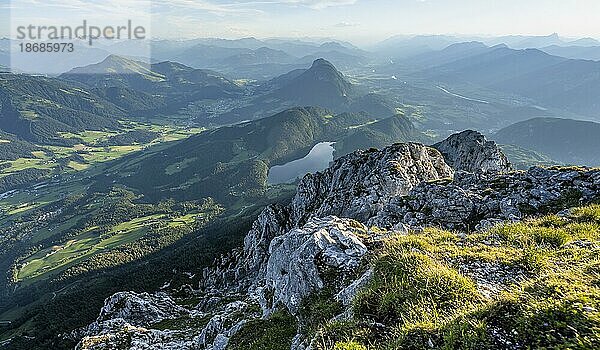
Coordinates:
[523,159]
[11,148]
[233,162]
[564,140]
[36,109]
[380,134]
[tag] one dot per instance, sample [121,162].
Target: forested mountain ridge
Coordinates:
[321,85]
[12,148]
[165,84]
[38,108]
[564,140]
[117,71]
[238,157]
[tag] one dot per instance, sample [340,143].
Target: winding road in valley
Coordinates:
[461,96]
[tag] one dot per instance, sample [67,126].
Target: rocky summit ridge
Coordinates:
[320,240]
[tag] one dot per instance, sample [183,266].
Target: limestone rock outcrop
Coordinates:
[359,184]
[356,186]
[297,259]
[470,151]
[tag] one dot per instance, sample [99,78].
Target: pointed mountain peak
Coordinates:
[114,64]
[320,85]
[322,69]
[115,59]
[321,62]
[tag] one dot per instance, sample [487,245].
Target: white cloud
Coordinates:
[346,25]
[104,7]
[233,5]
[316,4]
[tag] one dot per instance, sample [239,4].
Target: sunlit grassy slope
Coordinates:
[93,147]
[92,241]
[526,285]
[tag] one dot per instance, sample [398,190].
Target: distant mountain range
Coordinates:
[399,47]
[293,47]
[564,140]
[493,65]
[242,58]
[575,52]
[527,42]
[537,42]
[215,56]
[448,54]
[404,46]
[551,81]
[140,87]
[264,59]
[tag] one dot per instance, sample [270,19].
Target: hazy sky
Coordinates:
[359,20]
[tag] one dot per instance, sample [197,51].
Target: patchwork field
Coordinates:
[93,147]
[92,241]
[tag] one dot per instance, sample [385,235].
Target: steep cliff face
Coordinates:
[337,218]
[469,151]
